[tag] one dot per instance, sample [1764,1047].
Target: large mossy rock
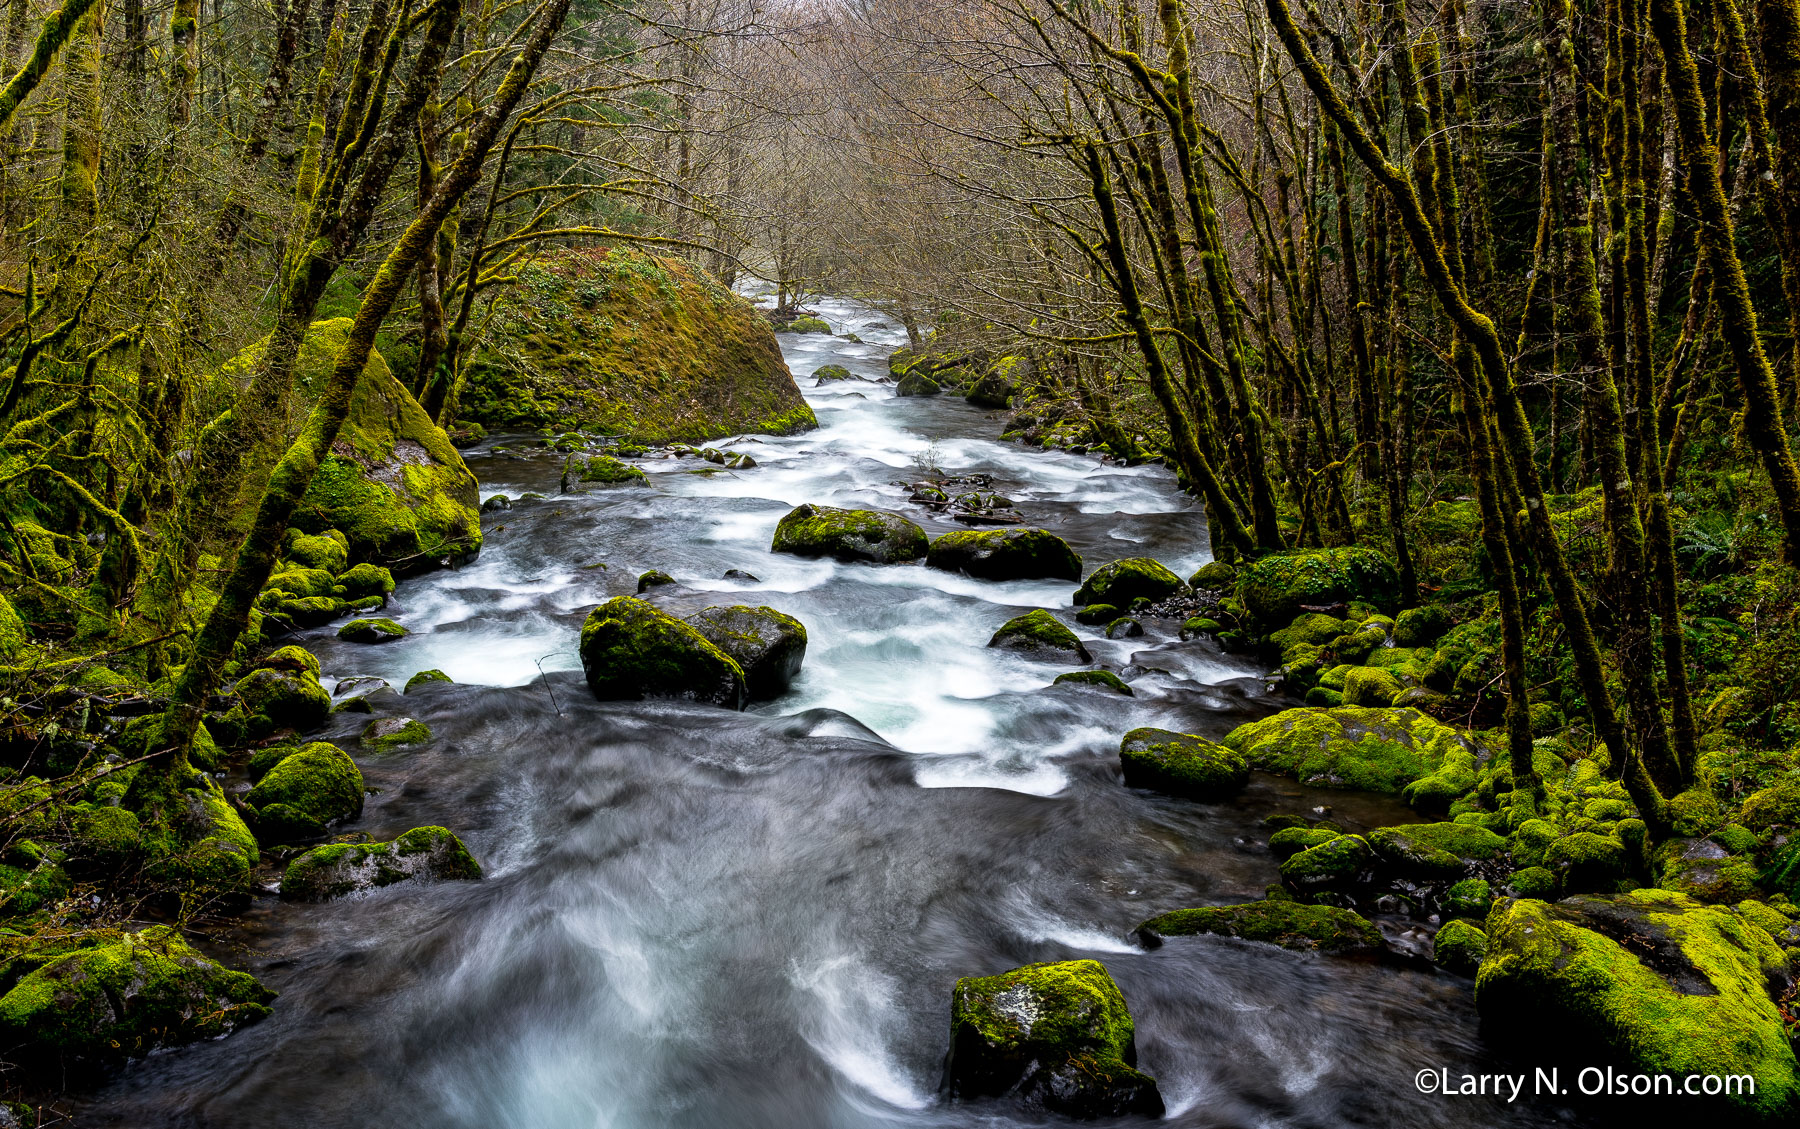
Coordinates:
[424,854]
[1056,1036]
[1278,587]
[631,344]
[1040,635]
[1369,750]
[283,692]
[1121,582]
[849,535]
[1290,924]
[768,645]
[917,384]
[191,839]
[123,996]
[1181,764]
[1005,554]
[1653,981]
[306,791]
[394,485]
[1436,850]
[631,650]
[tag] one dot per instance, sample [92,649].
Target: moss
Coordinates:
[1097,614]
[272,699]
[849,535]
[1290,924]
[1587,861]
[299,583]
[631,650]
[1371,686]
[13,638]
[328,551]
[424,854]
[606,469]
[390,733]
[1777,805]
[806,323]
[1335,862]
[1194,625]
[1214,576]
[1058,1035]
[1121,582]
[425,678]
[1005,554]
[1705,869]
[36,883]
[366,580]
[313,786]
[1472,897]
[629,344]
[1651,979]
[1313,627]
[1421,627]
[1277,587]
[1290,841]
[917,384]
[105,837]
[1531,882]
[1181,764]
[1459,947]
[825,374]
[1370,750]
[1436,849]
[143,735]
[1039,632]
[372,631]
[126,996]
[1105,678]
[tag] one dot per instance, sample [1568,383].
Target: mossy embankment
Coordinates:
[634,345]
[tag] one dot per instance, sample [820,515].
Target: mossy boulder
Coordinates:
[1706,869]
[655,578]
[365,580]
[1472,897]
[282,693]
[1289,841]
[1041,635]
[1337,862]
[299,582]
[1278,587]
[1214,576]
[1181,764]
[917,384]
[306,791]
[1651,980]
[1290,924]
[626,343]
[1096,614]
[393,484]
[806,323]
[609,471]
[1121,582]
[1056,1036]
[631,650]
[120,996]
[1459,947]
[1371,686]
[1421,627]
[1586,860]
[825,374]
[1436,850]
[1102,678]
[328,551]
[425,678]
[849,535]
[1370,750]
[372,631]
[992,390]
[388,733]
[767,645]
[1005,554]
[1777,805]
[424,854]
[1309,628]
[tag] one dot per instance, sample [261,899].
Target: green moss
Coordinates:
[806,323]
[271,699]
[1038,632]
[849,535]
[1777,805]
[1214,576]
[390,733]
[1096,614]
[606,469]
[425,678]
[825,374]
[125,996]
[1421,627]
[366,580]
[631,650]
[1290,924]
[1058,1034]
[1587,861]
[1371,750]
[1275,588]
[1371,686]
[300,583]
[328,551]
[1181,764]
[313,786]
[916,384]
[1459,947]
[1472,897]
[1313,627]
[1652,979]
[1121,582]
[1336,862]
[1005,554]
[372,631]
[1289,841]
[1436,849]
[424,854]
[1105,678]
[1532,882]
[13,638]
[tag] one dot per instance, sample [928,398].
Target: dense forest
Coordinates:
[1473,330]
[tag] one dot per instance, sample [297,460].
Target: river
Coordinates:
[699,918]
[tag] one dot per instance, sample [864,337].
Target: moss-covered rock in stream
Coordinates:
[1459,947]
[1181,764]
[123,995]
[1278,587]
[393,485]
[328,552]
[283,692]
[424,854]
[306,791]
[1280,921]
[1123,581]
[1370,750]
[426,678]
[1651,980]
[916,384]
[849,535]
[1055,1036]
[372,631]
[767,645]
[1104,678]
[1041,635]
[367,580]
[192,840]
[386,734]
[1436,850]
[825,374]
[1005,554]
[631,650]
[1336,863]
[625,343]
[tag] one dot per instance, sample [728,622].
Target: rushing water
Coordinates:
[694,917]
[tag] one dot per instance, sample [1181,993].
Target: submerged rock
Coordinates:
[1005,554]
[1121,582]
[125,996]
[310,788]
[424,854]
[1290,924]
[631,650]
[1181,764]
[1041,635]
[849,535]
[1652,980]
[1056,1036]
[768,645]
